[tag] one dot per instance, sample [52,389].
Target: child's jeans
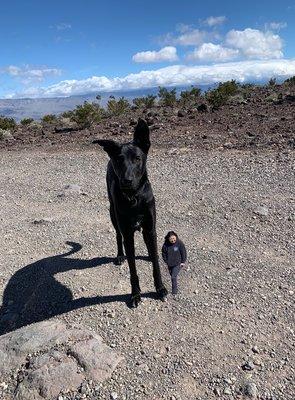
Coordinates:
[174,271]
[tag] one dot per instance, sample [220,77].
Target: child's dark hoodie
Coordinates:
[174,253]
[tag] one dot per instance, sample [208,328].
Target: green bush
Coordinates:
[86,114]
[68,114]
[246,89]
[7,123]
[229,88]
[216,98]
[144,102]
[49,118]
[167,97]
[117,107]
[290,81]
[26,121]
[189,97]
[219,96]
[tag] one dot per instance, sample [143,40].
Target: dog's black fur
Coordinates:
[132,203]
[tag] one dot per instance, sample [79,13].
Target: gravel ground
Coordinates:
[230,332]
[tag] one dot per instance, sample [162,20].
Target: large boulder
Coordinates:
[49,358]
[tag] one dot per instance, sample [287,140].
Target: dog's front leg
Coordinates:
[150,239]
[130,254]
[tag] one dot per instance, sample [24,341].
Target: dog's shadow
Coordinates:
[33,294]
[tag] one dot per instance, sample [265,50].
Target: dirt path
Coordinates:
[236,306]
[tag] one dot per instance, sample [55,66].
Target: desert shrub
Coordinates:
[86,114]
[246,89]
[216,98]
[7,123]
[49,118]
[26,121]
[167,97]
[189,97]
[290,81]
[272,82]
[219,96]
[229,88]
[144,102]
[68,114]
[117,107]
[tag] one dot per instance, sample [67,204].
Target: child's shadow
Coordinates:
[33,294]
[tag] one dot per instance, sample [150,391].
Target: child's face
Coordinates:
[172,239]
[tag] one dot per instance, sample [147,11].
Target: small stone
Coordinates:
[114,396]
[228,381]
[3,385]
[248,366]
[227,391]
[255,349]
[261,210]
[181,113]
[250,390]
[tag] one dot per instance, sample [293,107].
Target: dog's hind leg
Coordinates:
[120,254]
[130,254]
[150,239]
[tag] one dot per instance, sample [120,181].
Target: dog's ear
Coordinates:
[141,136]
[110,146]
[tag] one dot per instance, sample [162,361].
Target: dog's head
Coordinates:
[129,159]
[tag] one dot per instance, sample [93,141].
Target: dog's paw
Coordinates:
[119,260]
[162,293]
[135,300]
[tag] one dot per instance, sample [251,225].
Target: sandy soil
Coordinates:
[233,323]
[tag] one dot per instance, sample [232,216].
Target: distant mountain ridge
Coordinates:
[36,108]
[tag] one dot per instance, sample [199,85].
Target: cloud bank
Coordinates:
[175,75]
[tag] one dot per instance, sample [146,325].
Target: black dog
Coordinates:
[132,203]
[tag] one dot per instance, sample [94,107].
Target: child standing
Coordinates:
[174,255]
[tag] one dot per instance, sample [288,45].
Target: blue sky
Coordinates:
[61,48]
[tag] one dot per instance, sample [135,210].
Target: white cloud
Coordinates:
[213,21]
[212,52]
[168,53]
[275,26]
[183,28]
[29,74]
[255,44]
[169,76]
[188,37]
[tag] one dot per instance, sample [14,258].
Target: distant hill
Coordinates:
[36,108]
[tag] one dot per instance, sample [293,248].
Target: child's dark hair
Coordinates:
[169,234]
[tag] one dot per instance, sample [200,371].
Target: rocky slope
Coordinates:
[264,120]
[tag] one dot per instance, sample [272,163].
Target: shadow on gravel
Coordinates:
[33,294]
